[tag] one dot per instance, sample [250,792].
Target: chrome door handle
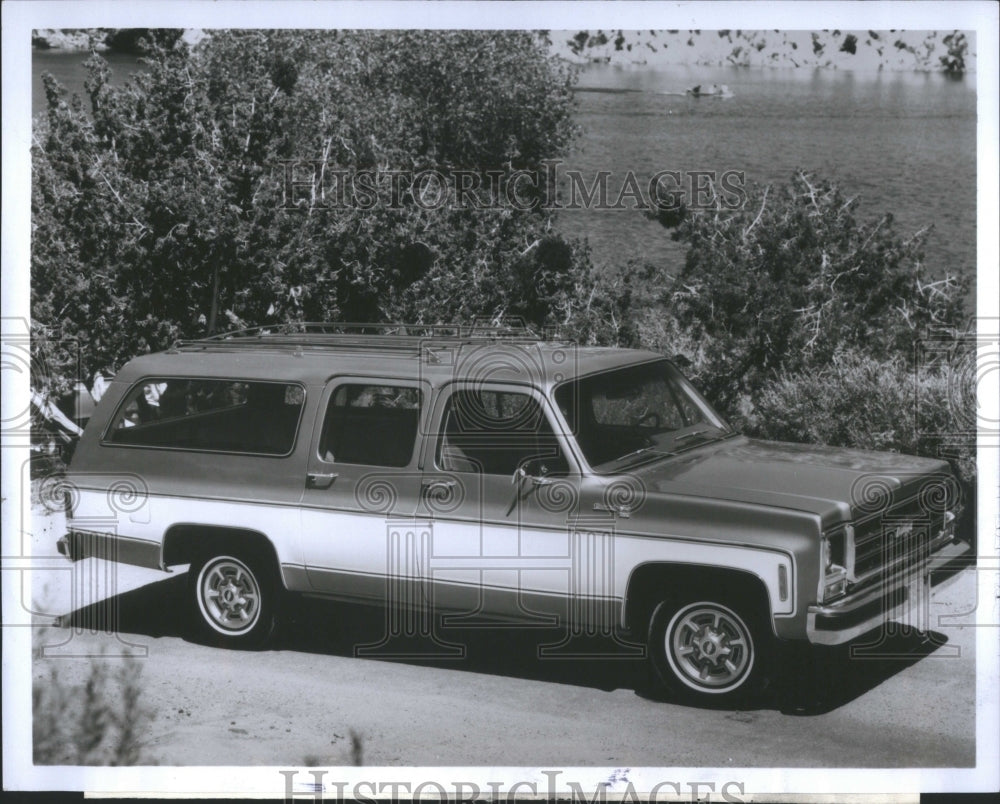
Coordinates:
[432,484]
[320,480]
[623,511]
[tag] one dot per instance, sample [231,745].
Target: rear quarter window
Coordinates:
[209,415]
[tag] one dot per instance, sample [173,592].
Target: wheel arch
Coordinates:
[185,542]
[652,582]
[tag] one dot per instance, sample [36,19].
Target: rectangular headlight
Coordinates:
[835,549]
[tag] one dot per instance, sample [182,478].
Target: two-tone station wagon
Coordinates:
[473,472]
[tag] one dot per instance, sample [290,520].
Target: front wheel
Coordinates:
[709,649]
[235,600]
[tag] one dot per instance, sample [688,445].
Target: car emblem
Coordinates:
[901,532]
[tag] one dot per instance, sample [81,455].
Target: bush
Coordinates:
[801,323]
[786,282]
[156,215]
[858,401]
[958,49]
[98,723]
[614,306]
[159,211]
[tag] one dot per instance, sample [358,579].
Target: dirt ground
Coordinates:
[310,701]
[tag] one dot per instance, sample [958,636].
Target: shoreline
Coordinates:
[951,52]
[863,51]
[101,40]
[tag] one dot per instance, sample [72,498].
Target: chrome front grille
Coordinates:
[887,541]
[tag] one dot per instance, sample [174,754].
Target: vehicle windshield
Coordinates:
[627,416]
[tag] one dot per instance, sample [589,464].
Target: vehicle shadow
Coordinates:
[154,610]
[821,679]
[812,681]
[477,645]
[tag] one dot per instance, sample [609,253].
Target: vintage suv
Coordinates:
[463,473]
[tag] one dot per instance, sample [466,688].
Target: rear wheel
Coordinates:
[235,599]
[712,650]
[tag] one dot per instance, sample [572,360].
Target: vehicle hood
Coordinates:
[828,481]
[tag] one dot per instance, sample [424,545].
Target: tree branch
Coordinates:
[763,204]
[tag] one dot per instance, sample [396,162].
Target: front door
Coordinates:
[502,496]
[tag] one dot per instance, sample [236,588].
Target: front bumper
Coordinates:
[904,596]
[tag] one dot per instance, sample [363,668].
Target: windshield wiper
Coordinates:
[718,436]
[653,451]
[635,452]
[692,434]
[650,450]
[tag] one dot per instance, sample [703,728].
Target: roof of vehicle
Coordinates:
[436,354]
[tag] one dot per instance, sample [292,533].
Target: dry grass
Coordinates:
[357,753]
[97,723]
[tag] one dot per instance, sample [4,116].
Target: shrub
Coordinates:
[614,306]
[159,210]
[97,723]
[787,281]
[859,401]
[802,323]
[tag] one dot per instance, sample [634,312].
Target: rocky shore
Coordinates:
[70,38]
[892,50]
[122,40]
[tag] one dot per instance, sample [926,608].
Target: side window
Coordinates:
[258,418]
[375,425]
[495,432]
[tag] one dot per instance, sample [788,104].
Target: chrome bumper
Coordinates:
[79,544]
[904,596]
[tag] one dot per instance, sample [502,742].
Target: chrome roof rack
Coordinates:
[398,337]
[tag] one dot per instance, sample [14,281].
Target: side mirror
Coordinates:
[538,469]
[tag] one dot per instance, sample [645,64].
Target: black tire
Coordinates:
[234,597]
[710,651]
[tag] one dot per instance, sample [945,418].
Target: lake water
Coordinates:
[67,68]
[903,142]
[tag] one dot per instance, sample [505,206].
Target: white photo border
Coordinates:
[20,18]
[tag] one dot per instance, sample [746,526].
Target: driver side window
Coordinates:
[496,432]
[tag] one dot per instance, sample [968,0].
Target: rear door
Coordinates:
[362,487]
